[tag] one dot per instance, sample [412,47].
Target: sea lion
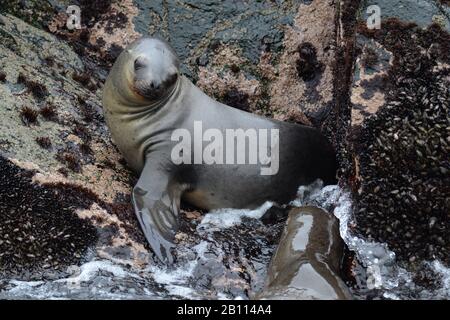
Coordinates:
[146,99]
[306,264]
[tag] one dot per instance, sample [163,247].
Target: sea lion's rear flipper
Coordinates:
[156,201]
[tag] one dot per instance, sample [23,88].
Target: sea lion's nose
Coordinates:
[154,85]
[139,63]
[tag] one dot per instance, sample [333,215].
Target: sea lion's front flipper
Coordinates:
[156,200]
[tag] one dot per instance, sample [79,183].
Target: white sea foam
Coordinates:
[88,270]
[226,218]
[444,272]
[62,288]
[176,281]
[99,276]
[382,270]
[382,273]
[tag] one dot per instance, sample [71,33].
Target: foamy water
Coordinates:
[226,218]
[104,279]
[382,271]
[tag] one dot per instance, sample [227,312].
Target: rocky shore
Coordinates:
[381,96]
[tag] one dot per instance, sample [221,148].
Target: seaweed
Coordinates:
[28,116]
[49,112]
[38,90]
[70,159]
[44,142]
[308,67]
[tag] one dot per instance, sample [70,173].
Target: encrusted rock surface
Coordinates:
[397,140]
[58,147]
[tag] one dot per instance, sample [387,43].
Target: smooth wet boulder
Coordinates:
[307,263]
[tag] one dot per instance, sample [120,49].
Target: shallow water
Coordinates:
[228,260]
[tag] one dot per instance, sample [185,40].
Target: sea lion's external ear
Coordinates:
[156,202]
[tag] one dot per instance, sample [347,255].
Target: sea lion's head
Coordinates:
[150,69]
[155,67]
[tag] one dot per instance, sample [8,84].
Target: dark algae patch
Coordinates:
[93,10]
[85,79]
[88,111]
[336,124]
[307,65]
[369,57]
[44,142]
[39,229]
[86,149]
[70,159]
[81,131]
[28,116]
[38,90]
[236,98]
[402,190]
[48,112]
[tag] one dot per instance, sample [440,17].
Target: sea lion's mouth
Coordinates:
[155,91]
[145,90]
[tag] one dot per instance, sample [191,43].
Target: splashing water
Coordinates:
[207,268]
[382,272]
[376,257]
[216,265]
[226,218]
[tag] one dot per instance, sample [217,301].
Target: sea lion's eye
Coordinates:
[138,64]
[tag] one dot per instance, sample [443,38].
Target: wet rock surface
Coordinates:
[307,262]
[421,12]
